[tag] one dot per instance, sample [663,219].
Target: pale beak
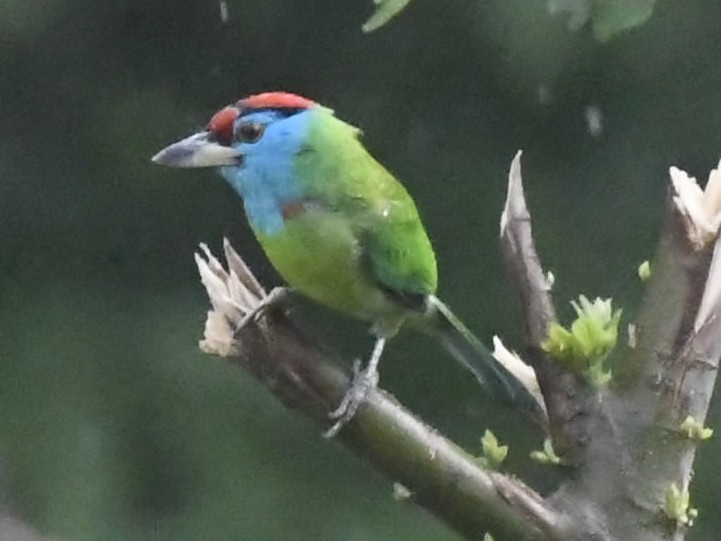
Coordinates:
[198,150]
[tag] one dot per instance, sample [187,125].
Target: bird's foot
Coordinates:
[276,296]
[363,382]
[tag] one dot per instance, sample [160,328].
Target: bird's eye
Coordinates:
[249,132]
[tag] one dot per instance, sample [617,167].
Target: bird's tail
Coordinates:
[468,350]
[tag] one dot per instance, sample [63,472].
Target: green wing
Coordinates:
[394,250]
[398,255]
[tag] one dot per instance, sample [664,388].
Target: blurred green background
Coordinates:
[113,426]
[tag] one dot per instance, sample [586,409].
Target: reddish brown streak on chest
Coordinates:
[293,209]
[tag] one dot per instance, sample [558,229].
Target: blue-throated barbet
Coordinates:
[337,226]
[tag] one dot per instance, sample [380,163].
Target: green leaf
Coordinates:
[608,18]
[385,11]
[611,17]
[579,11]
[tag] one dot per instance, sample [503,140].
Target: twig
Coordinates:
[568,400]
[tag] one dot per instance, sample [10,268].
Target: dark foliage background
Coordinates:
[113,425]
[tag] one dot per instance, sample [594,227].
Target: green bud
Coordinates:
[547,455]
[677,506]
[644,271]
[401,493]
[493,453]
[590,339]
[694,430]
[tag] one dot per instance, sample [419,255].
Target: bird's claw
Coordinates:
[276,296]
[363,382]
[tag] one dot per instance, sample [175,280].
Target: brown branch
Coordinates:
[626,440]
[439,475]
[568,400]
[672,299]
[671,373]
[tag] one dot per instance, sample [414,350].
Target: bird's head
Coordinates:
[268,126]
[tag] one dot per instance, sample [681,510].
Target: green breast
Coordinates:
[317,254]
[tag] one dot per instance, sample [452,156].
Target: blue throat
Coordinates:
[266,180]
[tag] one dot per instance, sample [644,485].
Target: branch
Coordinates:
[438,474]
[638,453]
[674,364]
[633,460]
[568,401]
[627,441]
[671,373]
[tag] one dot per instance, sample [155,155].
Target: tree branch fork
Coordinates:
[621,443]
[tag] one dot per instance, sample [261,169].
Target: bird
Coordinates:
[338,227]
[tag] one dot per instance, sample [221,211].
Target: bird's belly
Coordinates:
[318,255]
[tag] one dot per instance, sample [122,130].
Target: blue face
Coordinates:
[265,179]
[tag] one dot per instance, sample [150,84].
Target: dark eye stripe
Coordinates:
[283,112]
